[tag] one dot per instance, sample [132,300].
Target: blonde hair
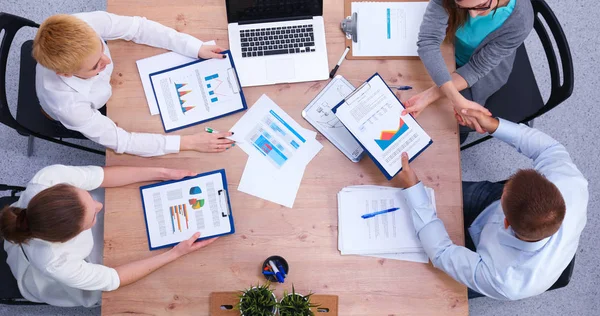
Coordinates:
[63,42]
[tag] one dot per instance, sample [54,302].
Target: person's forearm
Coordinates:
[437,93]
[451,89]
[117,176]
[137,270]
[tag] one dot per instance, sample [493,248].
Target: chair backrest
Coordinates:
[560,91]
[9,290]
[10,24]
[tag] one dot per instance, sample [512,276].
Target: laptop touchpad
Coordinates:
[280,69]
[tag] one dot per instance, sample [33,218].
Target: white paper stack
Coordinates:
[391,235]
[278,149]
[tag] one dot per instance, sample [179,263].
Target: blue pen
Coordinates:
[369,215]
[268,273]
[278,274]
[401,87]
[280,267]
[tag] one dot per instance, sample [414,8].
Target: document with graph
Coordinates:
[196,92]
[372,114]
[175,210]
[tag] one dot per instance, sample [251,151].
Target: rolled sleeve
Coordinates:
[468,73]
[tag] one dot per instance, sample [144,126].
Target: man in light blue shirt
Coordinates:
[525,232]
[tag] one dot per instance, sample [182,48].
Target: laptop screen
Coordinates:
[260,10]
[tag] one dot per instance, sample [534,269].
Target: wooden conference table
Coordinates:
[305,235]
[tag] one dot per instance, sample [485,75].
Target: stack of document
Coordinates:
[390,235]
[278,149]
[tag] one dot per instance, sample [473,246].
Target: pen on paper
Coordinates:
[369,215]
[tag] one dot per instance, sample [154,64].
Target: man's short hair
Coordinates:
[533,206]
[63,42]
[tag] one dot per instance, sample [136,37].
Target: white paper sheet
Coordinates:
[156,63]
[318,114]
[372,115]
[259,180]
[390,235]
[267,131]
[197,92]
[279,150]
[176,211]
[388,28]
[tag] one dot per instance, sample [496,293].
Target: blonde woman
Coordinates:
[74,72]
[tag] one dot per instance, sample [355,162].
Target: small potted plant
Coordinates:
[257,301]
[294,304]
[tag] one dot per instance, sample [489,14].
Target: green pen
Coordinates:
[214,131]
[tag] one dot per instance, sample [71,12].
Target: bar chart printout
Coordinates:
[176,210]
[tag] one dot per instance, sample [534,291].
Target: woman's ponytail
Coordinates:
[13,225]
[55,214]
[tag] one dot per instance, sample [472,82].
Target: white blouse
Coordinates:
[60,274]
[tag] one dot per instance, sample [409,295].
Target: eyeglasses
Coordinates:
[481,7]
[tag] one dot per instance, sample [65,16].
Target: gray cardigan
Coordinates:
[491,63]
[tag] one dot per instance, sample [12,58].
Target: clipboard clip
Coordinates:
[225,210]
[350,26]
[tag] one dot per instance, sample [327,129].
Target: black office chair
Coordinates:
[9,290]
[520,100]
[30,121]
[562,281]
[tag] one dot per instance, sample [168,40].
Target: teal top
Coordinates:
[475,30]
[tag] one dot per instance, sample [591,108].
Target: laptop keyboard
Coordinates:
[277,40]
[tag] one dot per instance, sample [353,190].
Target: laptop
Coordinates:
[277,41]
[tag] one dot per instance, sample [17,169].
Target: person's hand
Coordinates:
[191,245]
[176,174]
[210,51]
[417,103]
[407,177]
[207,142]
[464,104]
[487,123]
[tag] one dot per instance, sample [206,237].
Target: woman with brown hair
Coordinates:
[486,35]
[49,235]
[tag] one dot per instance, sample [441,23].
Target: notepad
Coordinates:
[196,92]
[176,210]
[387,28]
[372,115]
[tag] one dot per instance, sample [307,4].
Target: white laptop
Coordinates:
[277,41]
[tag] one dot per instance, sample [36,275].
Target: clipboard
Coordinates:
[335,109]
[189,207]
[234,82]
[318,114]
[348,41]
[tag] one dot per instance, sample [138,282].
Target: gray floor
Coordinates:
[573,124]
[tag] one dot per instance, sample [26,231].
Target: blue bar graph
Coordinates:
[213,100]
[215,76]
[389,24]
[211,92]
[208,85]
